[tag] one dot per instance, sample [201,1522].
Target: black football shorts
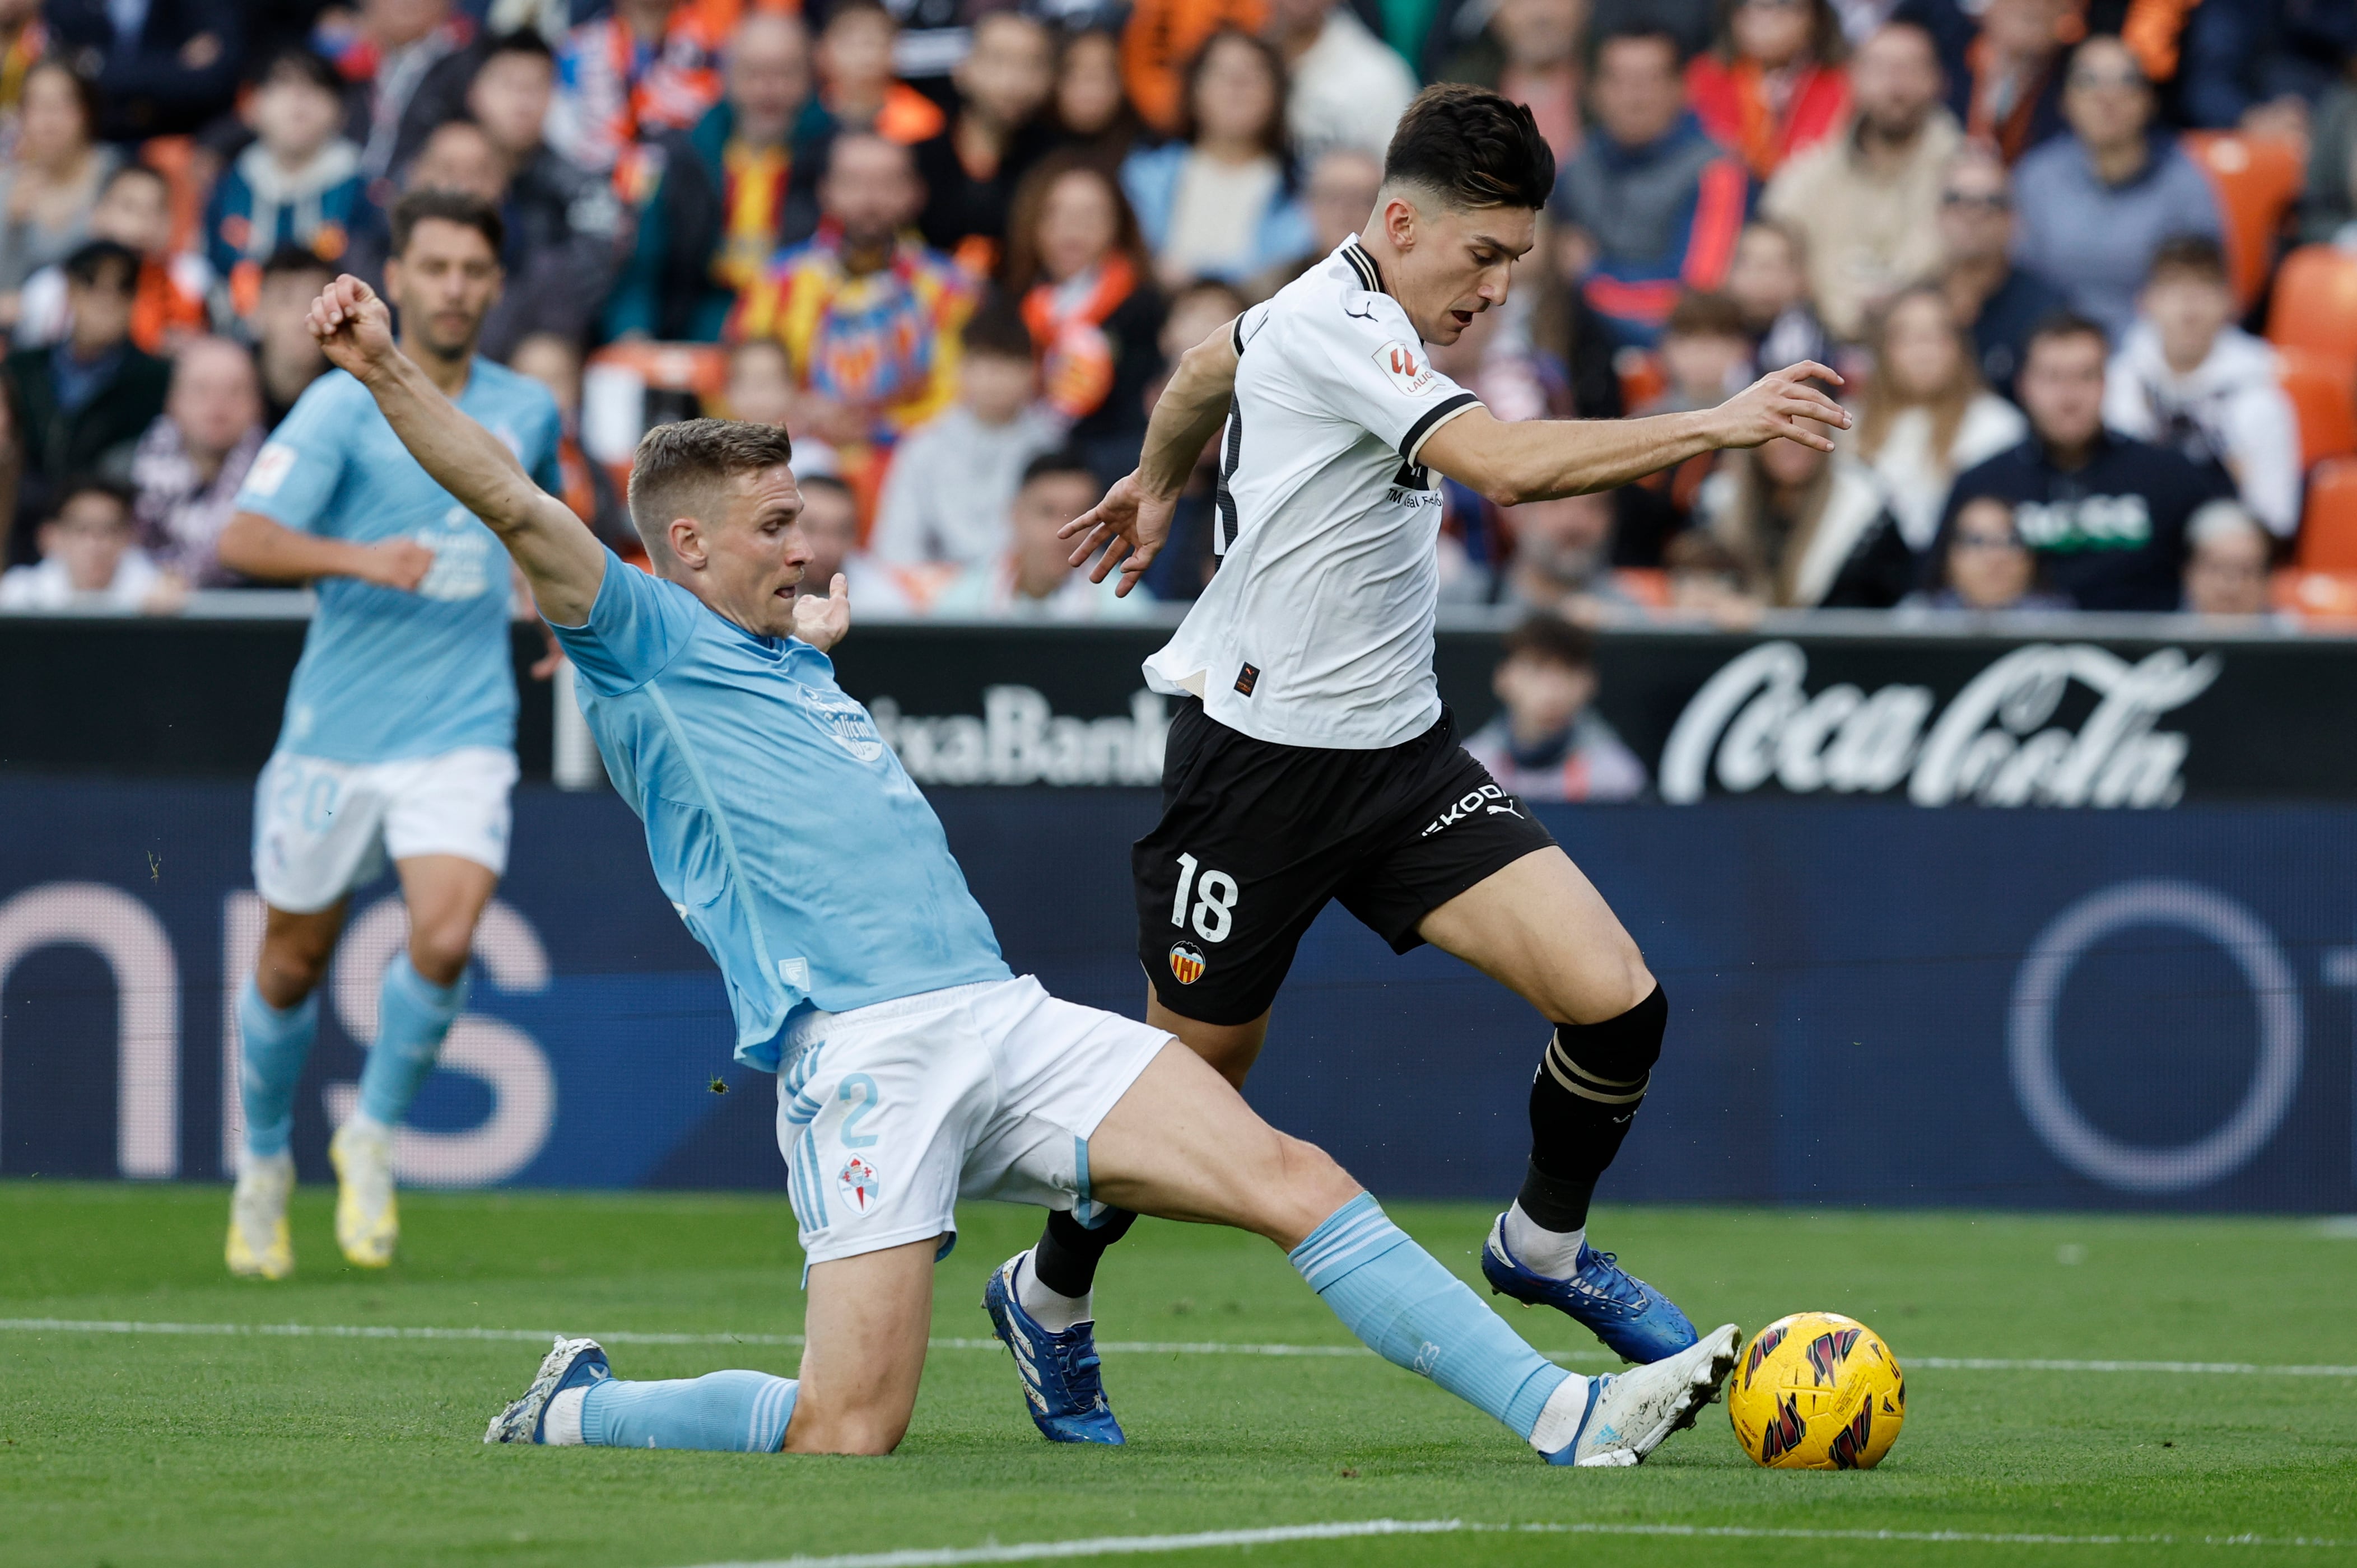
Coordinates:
[1256,837]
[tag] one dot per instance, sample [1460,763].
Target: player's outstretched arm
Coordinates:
[1536,459]
[561,561]
[1131,523]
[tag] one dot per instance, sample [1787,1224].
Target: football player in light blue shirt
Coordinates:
[912,1067]
[399,740]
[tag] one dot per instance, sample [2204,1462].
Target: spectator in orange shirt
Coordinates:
[652,65]
[1076,264]
[134,208]
[856,86]
[1773,82]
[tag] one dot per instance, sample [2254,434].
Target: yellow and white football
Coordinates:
[1816,1391]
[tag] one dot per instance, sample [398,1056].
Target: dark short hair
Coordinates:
[522,41]
[2062,324]
[1474,147]
[93,257]
[846,8]
[1551,637]
[2197,254]
[447,207]
[831,483]
[1705,315]
[304,65]
[1637,29]
[82,485]
[1063,460]
[679,464]
[288,259]
[996,328]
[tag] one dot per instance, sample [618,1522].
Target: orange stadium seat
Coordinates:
[2257,178]
[2321,600]
[2315,306]
[2323,392]
[2328,533]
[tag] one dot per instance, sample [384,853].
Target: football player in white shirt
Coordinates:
[1312,759]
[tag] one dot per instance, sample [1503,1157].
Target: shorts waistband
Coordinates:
[814,1026]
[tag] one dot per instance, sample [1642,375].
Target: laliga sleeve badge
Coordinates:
[1186,962]
[857,1183]
[1406,367]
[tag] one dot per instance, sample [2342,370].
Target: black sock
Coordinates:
[1583,1099]
[1065,1260]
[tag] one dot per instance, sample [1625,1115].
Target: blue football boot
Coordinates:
[574,1363]
[1058,1370]
[1635,1321]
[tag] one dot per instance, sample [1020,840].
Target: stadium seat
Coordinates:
[2257,178]
[2328,533]
[2321,600]
[2315,304]
[2323,392]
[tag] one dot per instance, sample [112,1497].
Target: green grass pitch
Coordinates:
[257,1449]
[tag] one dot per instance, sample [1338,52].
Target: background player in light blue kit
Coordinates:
[399,740]
[912,1067]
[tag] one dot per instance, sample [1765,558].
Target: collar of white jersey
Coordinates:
[1370,277]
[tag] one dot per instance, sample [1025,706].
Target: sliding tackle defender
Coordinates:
[912,1067]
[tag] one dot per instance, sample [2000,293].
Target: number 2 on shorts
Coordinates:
[1215,904]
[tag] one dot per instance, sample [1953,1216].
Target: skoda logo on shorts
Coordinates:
[1186,962]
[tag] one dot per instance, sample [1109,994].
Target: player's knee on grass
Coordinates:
[863,1429]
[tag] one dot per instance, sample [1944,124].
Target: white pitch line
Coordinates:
[1146,1545]
[1115,1347]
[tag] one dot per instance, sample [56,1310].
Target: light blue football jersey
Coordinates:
[782,829]
[387,674]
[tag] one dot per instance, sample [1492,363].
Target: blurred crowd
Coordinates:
[954,247]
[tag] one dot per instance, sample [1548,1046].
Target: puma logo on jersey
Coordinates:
[1407,370]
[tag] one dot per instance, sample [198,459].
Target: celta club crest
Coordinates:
[859,1184]
[1763,1348]
[1784,1430]
[1828,1351]
[1186,962]
[1849,1443]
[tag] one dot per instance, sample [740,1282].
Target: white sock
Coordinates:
[1054,1313]
[561,1426]
[1559,1423]
[1554,1253]
[364,1125]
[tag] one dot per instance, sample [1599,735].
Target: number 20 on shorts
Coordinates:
[1215,901]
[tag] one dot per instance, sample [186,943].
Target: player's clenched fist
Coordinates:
[1781,403]
[353,326]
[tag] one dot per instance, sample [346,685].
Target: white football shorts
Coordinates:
[891,1113]
[322,828]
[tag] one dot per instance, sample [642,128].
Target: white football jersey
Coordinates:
[1317,628]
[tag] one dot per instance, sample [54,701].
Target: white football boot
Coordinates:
[1619,1418]
[259,1246]
[368,1222]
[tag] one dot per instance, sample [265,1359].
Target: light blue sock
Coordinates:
[729,1413]
[1413,1312]
[273,1046]
[412,1015]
